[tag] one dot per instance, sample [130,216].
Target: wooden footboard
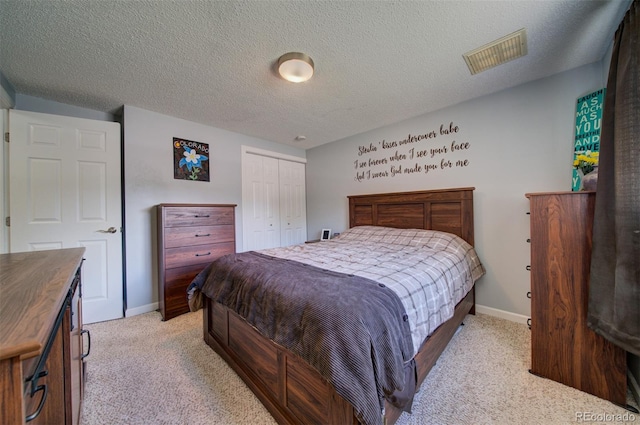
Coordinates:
[292,391]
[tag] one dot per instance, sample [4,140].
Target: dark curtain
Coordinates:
[614,289]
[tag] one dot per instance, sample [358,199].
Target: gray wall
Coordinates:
[7,93]
[36,104]
[520,141]
[148,177]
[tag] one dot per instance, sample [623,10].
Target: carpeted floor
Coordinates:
[142,370]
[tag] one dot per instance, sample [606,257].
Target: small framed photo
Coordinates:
[325,235]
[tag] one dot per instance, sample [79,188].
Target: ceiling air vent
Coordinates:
[497,52]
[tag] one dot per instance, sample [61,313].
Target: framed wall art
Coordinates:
[190,160]
[587,140]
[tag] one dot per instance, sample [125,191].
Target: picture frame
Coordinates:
[190,160]
[325,235]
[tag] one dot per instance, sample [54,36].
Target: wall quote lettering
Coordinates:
[416,154]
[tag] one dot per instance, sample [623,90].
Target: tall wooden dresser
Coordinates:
[563,348]
[41,337]
[190,236]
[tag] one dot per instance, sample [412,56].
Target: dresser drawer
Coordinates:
[198,254]
[175,291]
[198,216]
[198,235]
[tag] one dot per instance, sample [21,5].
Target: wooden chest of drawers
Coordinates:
[190,236]
[563,347]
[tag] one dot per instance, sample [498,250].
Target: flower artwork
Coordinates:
[190,160]
[193,160]
[585,165]
[586,162]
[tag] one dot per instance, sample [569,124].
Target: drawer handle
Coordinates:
[528,268]
[529,294]
[86,331]
[35,414]
[203,236]
[529,323]
[203,255]
[202,216]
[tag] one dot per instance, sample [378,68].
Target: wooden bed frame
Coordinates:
[294,392]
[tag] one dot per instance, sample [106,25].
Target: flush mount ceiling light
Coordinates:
[496,53]
[295,67]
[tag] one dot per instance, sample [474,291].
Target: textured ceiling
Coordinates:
[212,62]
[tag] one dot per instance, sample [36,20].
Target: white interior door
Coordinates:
[260,199]
[65,192]
[271,202]
[293,207]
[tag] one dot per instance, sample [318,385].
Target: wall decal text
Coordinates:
[425,153]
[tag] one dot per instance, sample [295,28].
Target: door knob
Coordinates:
[109,230]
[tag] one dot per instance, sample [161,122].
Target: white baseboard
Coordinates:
[513,317]
[141,310]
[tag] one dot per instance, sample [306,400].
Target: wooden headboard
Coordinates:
[447,210]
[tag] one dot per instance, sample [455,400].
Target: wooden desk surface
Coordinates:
[33,286]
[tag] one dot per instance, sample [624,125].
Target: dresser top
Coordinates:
[568,193]
[197,205]
[33,286]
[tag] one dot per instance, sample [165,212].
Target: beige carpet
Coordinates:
[142,370]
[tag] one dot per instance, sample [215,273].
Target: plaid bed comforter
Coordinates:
[352,330]
[430,271]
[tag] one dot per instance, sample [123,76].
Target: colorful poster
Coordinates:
[190,160]
[587,138]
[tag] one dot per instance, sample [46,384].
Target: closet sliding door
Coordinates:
[293,205]
[273,202]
